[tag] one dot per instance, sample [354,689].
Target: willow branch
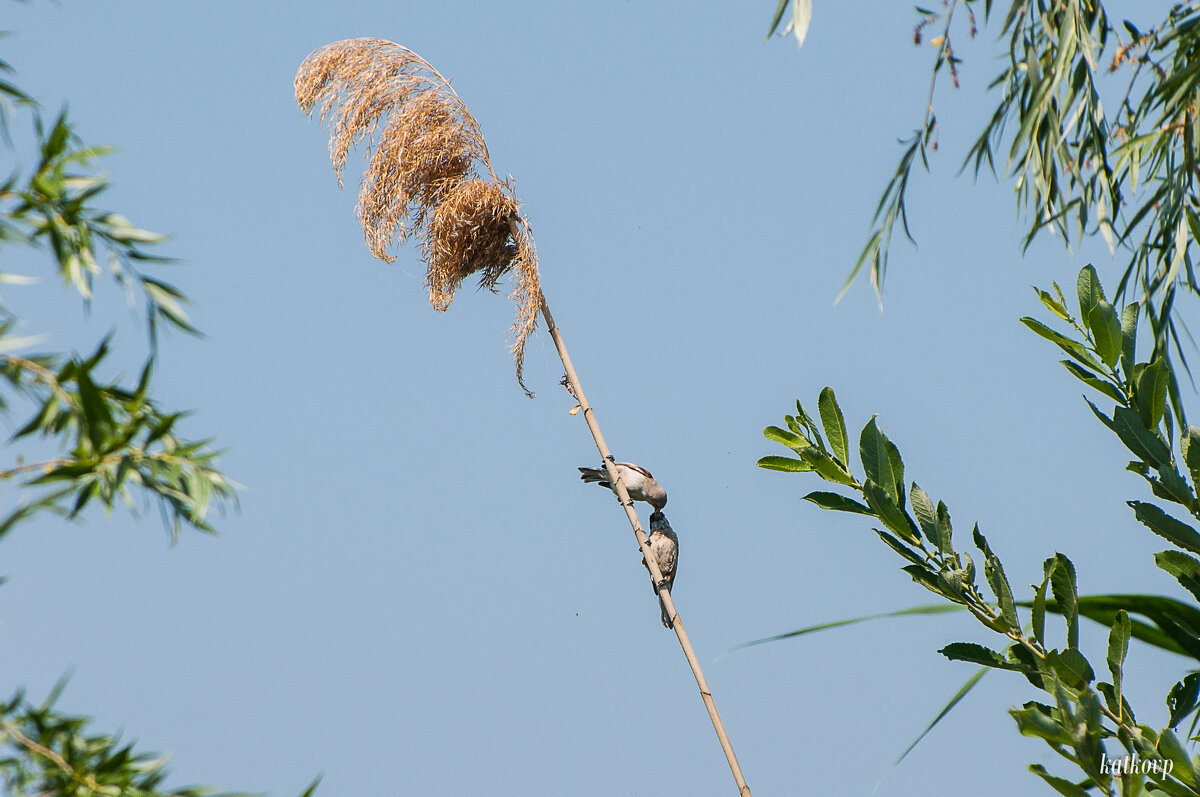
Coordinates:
[83,779]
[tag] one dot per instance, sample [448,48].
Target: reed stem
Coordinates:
[689,652]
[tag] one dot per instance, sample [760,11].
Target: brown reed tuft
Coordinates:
[429,173]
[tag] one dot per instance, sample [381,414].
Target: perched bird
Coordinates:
[637,480]
[664,543]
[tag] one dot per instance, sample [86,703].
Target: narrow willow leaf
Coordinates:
[1172,487]
[874,457]
[1023,662]
[901,549]
[1183,698]
[1170,748]
[1037,721]
[929,580]
[897,470]
[999,584]
[1118,646]
[835,425]
[1185,569]
[1061,785]
[825,466]
[1062,585]
[813,432]
[1091,380]
[892,516]
[927,517]
[789,439]
[839,503]
[1189,445]
[1162,524]
[785,464]
[943,517]
[1106,331]
[997,580]
[1074,349]
[1145,444]
[1071,667]
[976,654]
[777,17]
[1090,292]
[1150,392]
[1038,609]
[1129,322]
[1052,304]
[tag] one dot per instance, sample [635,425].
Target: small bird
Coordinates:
[664,543]
[638,482]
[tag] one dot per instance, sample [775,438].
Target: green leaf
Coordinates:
[1170,748]
[901,548]
[777,435]
[1118,646]
[1093,381]
[997,580]
[785,464]
[1071,667]
[1038,608]
[1061,785]
[825,466]
[1189,446]
[943,517]
[1185,569]
[1052,304]
[1106,331]
[927,519]
[814,434]
[930,581]
[97,421]
[1090,292]
[1074,349]
[999,584]
[877,460]
[1145,444]
[1062,585]
[1038,721]
[835,425]
[839,503]
[1129,321]
[1024,662]
[1162,524]
[1150,392]
[1183,698]
[777,17]
[976,654]
[892,516]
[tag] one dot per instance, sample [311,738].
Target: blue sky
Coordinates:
[418,594]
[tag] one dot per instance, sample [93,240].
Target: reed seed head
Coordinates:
[428,173]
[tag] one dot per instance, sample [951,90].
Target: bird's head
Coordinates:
[658,521]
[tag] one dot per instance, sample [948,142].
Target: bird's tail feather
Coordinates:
[597,475]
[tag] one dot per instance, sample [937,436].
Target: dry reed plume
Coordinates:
[429,174]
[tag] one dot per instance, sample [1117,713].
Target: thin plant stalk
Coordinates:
[614,476]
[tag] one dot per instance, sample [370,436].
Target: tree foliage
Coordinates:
[1096,124]
[115,442]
